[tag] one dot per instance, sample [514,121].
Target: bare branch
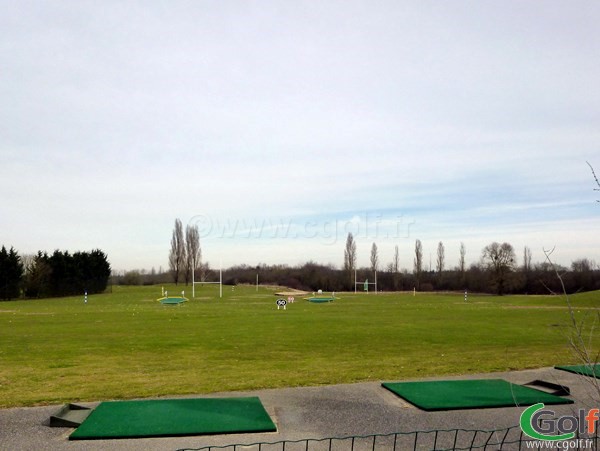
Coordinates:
[548,288]
[595,178]
[581,347]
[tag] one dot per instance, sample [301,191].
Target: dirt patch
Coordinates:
[291,293]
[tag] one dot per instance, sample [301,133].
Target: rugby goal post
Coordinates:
[366,283]
[220,282]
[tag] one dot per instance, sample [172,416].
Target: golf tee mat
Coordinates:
[174,417]
[470,394]
[584,370]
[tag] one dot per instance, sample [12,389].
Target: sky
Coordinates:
[279,127]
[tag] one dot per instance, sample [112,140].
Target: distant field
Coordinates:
[125,344]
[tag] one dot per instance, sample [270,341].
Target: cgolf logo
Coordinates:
[541,424]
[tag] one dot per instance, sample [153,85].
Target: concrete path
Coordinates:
[310,412]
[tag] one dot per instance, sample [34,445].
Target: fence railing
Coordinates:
[511,438]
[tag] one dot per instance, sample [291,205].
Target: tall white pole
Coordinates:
[375,282]
[220,280]
[354,280]
[193,285]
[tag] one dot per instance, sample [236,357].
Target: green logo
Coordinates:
[535,425]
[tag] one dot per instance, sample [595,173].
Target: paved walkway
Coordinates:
[309,412]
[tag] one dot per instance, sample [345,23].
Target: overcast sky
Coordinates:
[278,127]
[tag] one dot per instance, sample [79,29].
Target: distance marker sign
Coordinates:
[281,303]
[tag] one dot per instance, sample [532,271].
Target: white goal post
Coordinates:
[220,282]
[366,283]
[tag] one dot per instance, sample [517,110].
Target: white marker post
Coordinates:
[85,298]
[465,295]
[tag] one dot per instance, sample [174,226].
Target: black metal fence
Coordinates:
[511,438]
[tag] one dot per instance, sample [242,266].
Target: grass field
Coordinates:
[125,344]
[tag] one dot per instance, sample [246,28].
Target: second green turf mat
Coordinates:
[584,370]
[175,417]
[470,394]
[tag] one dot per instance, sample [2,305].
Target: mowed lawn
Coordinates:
[125,344]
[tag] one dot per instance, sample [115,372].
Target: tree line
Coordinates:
[534,278]
[496,272]
[58,274]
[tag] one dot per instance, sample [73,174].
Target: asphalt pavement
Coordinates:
[307,412]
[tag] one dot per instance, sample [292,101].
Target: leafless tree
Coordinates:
[440,258]
[526,259]
[193,251]
[462,265]
[350,256]
[204,270]
[396,262]
[461,260]
[374,257]
[177,252]
[582,331]
[29,262]
[500,260]
[582,265]
[418,262]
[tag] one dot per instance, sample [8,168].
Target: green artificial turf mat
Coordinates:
[470,394]
[584,370]
[174,417]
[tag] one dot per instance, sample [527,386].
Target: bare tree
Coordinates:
[350,256]
[396,262]
[582,331]
[500,261]
[193,251]
[204,269]
[462,264]
[177,252]
[374,258]
[418,262]
[526,259]
[461,260]
[582,265]
[440,258]
[595,178]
